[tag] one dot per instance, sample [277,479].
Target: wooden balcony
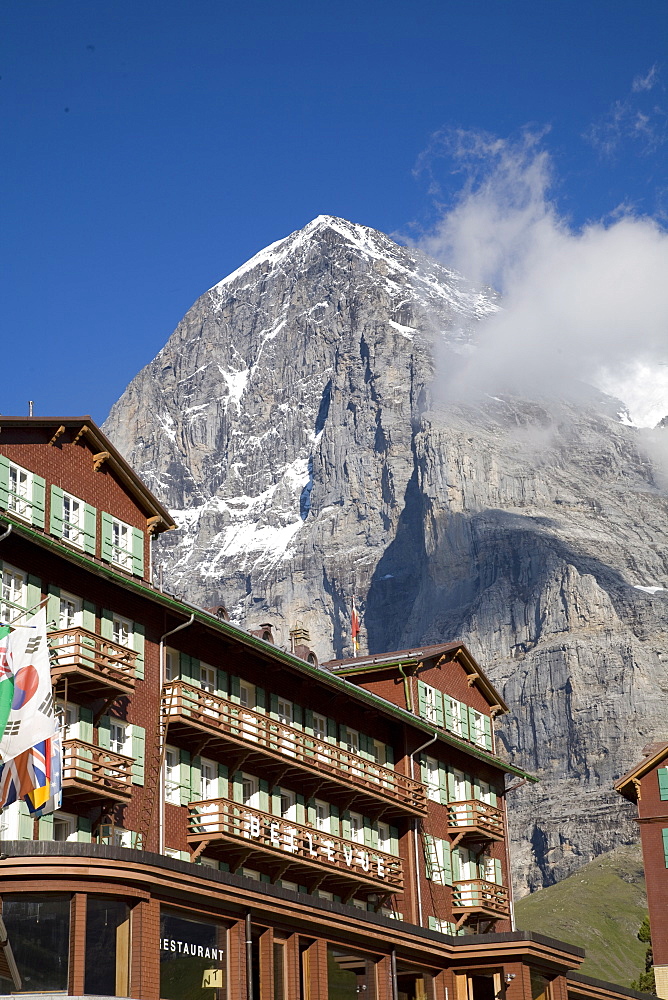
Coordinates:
[248,837]
[474,820]
[477,899]
[241,737]
[93,667]
[92,773]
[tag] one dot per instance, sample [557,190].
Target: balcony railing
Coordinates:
[477,896]
[262,736]
[276,844]
[91,662]
[473,818]
[92,772]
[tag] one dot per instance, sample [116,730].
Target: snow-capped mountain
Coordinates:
[298,424]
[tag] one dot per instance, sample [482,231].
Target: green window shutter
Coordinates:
[443,783]
[137,552]
[487,722]
[424,771]
[310,812]
[138,754]
[331,730]
[455,865]
[186,794]
[345,825]
[222,782]
[422,699]
[473,731]
[236,697]
[493,800]
[334,821]
[139,633]
[56,512]
[440,717]
[468,787]
[106,624]
[498,874]
[343,735]
[53,607]
[297,716]
[34,591]
[429,855]
[196,779]
[447,712]
[38,501]
[4,482]
[368,833]
[389,755]
[264,877]
[301,808]
[663,783]
[104,732]
[106,550]
[83,830]
[476,790]
[90,526]
[664,834]
[434,924]
[446,863]
[464,716]
[238,788]
[308,721]
[88,616]
[260,700]
[275,803]
[86,724]
[264,795]
[394,840]
[45,826]
[451,785]
[222,688]
[26,822]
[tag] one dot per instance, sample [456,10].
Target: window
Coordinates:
[120,738]
[250,791]
[107,968]
[193,957]
[14,593]
[351,740]
[378,752]
[384,838]
[207,678]
[19,499]
[322,816]
[438,863]
[431,696]
[67,717]
[459,718]
[73,520]
[356,828]
[39,930]
[247,695]
[70,611]
[209,779]
[121,544]
[64,827]
[172,664]
[288,804]
[122,631]
[172,776]
[320,726]
[431,778]
[285,712]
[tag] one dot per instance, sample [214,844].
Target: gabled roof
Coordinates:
[404,657]
[655,755]
[101,444]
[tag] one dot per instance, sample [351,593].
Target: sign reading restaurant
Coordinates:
[226,820]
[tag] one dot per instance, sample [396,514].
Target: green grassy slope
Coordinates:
[600,908]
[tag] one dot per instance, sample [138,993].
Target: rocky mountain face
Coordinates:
[298,423]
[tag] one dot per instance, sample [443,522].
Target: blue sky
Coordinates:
[148,149]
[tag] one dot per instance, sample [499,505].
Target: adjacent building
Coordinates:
[647,785]
[239,821]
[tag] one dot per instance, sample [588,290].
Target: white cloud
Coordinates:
[645,82]
[638,118]
[588,304]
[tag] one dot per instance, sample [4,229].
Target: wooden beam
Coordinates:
[84,430]
[61,430]
[100,459]
[472,678]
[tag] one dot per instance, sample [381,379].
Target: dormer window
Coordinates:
[21,492]
[19,500]
[72,520]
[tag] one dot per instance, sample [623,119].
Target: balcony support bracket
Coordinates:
[454,843]
[105,708]
[198,850]
[461,921]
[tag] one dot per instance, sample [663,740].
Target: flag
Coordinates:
[31,716]
[54,799]
[355,627]
[6,677]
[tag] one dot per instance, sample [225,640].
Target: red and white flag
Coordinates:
[355,628]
